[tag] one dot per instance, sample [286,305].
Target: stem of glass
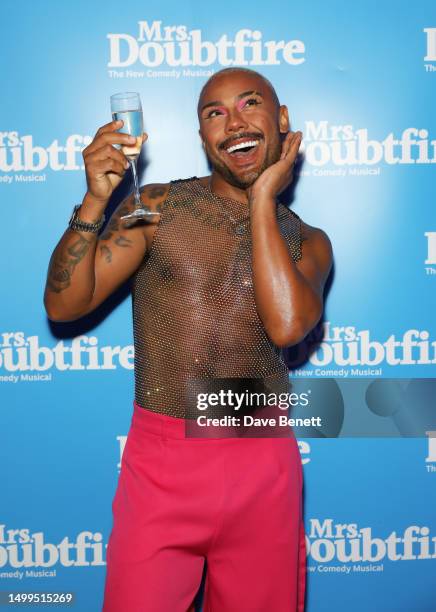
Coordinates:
[133,162]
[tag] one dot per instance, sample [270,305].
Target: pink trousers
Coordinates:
[234,502]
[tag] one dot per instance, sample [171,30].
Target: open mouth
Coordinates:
[243,148]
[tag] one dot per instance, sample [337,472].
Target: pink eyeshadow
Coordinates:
[240,105]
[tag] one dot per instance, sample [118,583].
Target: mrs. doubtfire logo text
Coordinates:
[156,44]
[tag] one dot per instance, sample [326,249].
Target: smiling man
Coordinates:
[224,278]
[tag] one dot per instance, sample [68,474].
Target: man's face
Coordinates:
[240,126]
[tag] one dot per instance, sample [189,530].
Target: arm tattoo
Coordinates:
[156,192]
[111,227]
[106,253]
[153,193]
[62,264]
[122,241]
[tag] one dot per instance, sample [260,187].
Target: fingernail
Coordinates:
[132,139]
[119,121]
[126,164]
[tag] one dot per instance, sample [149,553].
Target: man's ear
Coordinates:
[201,138]
[284,124]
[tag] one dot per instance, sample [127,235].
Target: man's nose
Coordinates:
[235,121]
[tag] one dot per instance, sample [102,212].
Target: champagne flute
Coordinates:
[127,106]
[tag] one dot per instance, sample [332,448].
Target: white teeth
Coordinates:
[242,145]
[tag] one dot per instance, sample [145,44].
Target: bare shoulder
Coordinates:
[315,237]
[154,195]
[316,245]
[117,233]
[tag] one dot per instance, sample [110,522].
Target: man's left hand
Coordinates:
[278,176]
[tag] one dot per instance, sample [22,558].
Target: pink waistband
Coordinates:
[157,423]
[174,427]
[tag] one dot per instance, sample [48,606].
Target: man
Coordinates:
[223,278]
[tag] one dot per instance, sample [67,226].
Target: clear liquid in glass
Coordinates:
[133,125]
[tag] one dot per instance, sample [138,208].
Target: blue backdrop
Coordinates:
[359,81]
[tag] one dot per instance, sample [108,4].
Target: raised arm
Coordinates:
[85,269]
[288,295]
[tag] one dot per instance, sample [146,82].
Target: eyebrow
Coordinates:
[238,97]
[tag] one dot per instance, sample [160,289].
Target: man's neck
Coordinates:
[219,186]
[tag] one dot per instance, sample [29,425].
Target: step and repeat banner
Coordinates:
[359,81]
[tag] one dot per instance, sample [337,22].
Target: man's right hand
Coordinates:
[105,165]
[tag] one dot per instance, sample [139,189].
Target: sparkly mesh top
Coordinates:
[194,312]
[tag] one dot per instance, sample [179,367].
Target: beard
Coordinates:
[245,179]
